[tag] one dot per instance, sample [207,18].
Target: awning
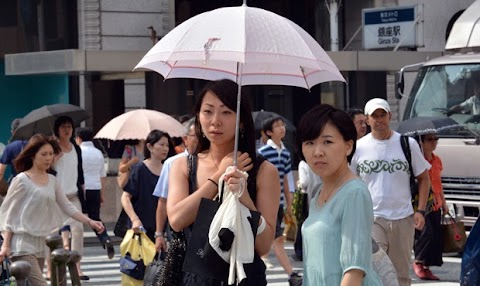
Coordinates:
[119,64]
[72,62]
[465,32]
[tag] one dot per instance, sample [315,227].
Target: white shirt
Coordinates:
[308,180]
[93,166]
[67,172]
[383,166]
[32,212]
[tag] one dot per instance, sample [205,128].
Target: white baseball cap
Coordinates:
[376,103]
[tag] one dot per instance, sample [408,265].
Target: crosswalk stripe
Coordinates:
[103,271]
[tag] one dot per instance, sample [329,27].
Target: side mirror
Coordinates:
[400,84]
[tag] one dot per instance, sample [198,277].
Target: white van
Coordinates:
[440,86]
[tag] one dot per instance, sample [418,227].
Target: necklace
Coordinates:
[333,188]
[213,160]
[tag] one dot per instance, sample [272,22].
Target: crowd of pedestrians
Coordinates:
[360,230]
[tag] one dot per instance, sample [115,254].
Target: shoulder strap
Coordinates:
[192,173]
[192,161]
[408,155]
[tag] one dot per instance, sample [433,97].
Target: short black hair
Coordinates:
[267,123]
[354,111]
[62,120]
[84,133]
[153,137]
[184,118]
[313,122]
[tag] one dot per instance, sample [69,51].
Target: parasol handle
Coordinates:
[237,118]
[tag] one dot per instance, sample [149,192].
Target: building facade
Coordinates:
[83,52]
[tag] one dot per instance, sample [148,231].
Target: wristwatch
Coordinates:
[159,234]
[421,212]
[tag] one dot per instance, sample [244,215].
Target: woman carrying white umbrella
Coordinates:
[215,128]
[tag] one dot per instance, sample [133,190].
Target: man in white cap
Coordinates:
[379,160]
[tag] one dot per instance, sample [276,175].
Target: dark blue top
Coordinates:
[11,152]
[141,184]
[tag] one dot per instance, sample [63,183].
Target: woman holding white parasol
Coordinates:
[215,128]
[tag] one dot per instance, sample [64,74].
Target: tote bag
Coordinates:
[137,250]
[453,234]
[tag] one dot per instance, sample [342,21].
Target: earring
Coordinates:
[242,131]
[203,134]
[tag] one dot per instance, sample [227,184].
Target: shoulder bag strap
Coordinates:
[408,155]
[192,161]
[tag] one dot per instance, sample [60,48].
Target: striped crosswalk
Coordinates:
[103,271]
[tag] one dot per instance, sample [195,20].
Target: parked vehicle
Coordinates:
[450,86]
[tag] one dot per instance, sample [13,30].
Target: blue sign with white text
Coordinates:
[389,16]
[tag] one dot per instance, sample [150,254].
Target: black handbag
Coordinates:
[131,267]
[171,271]
[152,269]
[201,258]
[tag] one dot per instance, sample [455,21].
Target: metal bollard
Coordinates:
[20,270]
[59,259]
[72,267]
[53,241]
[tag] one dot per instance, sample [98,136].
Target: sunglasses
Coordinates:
[431,139]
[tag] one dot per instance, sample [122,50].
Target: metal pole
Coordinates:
[72,267]
[333,26]
[41,26]
[53,242]
[237,119]
[60,257]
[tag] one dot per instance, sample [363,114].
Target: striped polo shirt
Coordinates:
[280,157]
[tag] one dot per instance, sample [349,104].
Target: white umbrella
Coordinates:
[136,124]
[248,45]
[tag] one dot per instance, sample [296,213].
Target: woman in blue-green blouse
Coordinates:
[337,245]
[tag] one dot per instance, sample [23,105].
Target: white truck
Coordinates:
[441,85]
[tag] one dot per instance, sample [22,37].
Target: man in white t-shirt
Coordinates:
[379,160]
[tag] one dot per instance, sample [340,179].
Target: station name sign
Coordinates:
[386,27]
